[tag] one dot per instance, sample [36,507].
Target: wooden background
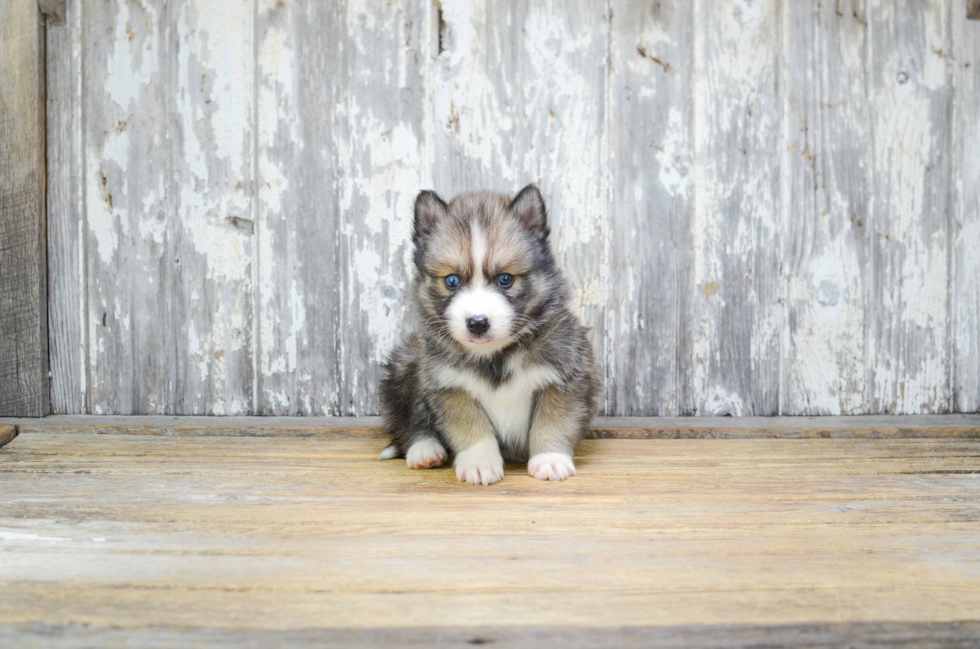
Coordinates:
[766,206]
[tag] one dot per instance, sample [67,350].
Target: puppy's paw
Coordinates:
[480,464]
[551,466]
[425,454]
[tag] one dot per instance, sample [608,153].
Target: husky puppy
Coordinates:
[500,367]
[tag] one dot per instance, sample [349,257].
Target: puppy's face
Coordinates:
[484,266]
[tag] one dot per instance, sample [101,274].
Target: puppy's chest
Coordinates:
[509,404]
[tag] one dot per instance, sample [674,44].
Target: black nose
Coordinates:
[478,324]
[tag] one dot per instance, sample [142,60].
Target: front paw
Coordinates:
[480,464]
[425,454]
[551,466]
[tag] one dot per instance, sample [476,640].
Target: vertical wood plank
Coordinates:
[648,353]
[23,272]
[129,197]
[965,235]
[212,90]
[518,96]
[825,246]
[341,119]
[381,153]
[297,69]
[910,95]
[66,217]
[736,316]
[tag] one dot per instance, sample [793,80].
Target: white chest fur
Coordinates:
[509,404]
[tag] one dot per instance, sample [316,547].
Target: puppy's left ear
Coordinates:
[528,208]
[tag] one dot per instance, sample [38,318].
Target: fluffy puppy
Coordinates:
[500,367]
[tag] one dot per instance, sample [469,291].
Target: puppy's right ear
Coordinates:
[429,210]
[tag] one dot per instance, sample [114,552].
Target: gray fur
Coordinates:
[546,333]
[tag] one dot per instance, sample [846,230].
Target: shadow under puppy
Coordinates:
[501,367]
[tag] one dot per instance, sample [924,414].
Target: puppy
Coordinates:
[500,367]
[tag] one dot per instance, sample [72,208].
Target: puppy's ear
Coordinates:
[429,210]
[528,208]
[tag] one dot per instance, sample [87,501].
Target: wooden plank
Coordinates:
[23,286]
[903,426]
[854,635]
[212,157]
[340,108]
[129,203]
[647,342]
[825,242]
[908,86]
[66,218]
[7,434]
[148,534]
[736,315]
[517,92]
[965,224]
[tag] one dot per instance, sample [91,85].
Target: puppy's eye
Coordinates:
[452,282]
[505,280]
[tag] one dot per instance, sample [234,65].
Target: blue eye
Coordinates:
[505,280]
[452,282]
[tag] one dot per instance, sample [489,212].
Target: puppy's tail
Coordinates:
[389,453]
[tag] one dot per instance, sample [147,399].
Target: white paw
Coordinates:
[425,454]
[480,464]
[551,466]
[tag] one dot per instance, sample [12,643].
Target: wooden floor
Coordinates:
[160,540]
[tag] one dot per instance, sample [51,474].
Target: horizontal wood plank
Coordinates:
[870,426]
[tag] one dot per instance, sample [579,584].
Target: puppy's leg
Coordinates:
[556,428]
[470,433]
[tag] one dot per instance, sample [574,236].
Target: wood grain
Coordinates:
[23,286]
[647,342]
[877,426]
[908,86]
[965,216]
[736,315]
[340,131]
[67,305]
[151,536]
[855,635]
[765,208]
[825,242]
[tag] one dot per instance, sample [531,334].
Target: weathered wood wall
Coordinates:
[23,317]
[766,206]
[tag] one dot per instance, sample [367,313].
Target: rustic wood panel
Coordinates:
[867,426]
[965,223]
[825,235]
[213,159]
[647,340]
[341,139]
[763,207]
[23,273]
[67,254]
[909,92]
[145,533]
[854,635]
[518,96]
[736,316]
[129,59]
